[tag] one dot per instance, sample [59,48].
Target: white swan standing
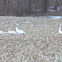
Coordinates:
[60,32]
[19,31]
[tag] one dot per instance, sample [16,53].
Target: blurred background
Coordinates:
[30,7]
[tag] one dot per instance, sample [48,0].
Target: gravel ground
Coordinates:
[42,42]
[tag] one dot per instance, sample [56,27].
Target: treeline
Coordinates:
[28,7]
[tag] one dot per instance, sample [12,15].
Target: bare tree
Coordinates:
[56,5]
[29,6]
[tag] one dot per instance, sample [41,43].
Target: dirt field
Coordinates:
[42,42]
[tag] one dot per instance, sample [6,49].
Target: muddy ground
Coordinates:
[42,42]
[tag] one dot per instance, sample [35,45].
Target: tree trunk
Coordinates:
[56,5]
[29,6]
[44,6]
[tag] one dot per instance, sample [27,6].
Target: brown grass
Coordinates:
[41,41]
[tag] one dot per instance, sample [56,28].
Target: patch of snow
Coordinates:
[59,8]
[51,10]
[55,17]
[52,7]
[38,10]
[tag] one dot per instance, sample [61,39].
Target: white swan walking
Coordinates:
[19,31]
[60,32]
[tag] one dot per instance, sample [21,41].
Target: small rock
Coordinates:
[1,58]
[38,43]
[53,55]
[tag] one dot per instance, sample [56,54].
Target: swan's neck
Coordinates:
[9,30]
[16,28]
[60,28]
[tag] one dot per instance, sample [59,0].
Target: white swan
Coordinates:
[19,31]
[1,32]
[11,32]
[60,32]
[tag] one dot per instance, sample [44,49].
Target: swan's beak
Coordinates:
[16,24]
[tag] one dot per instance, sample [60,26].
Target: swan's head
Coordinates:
[16,24]
[9,30]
